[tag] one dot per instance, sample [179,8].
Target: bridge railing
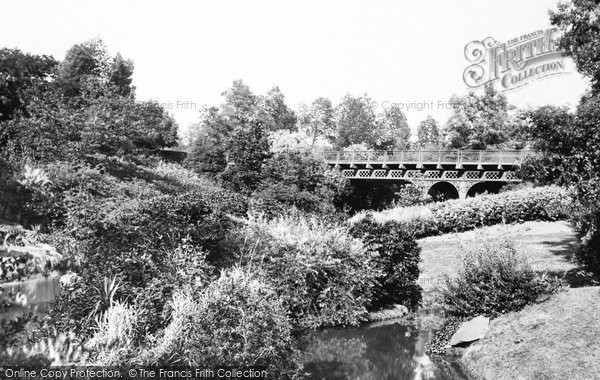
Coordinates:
[423,156]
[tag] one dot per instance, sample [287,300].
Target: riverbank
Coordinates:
[549,245]
[556,339]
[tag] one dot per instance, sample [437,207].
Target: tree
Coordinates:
[580,26]
[550,129]
[89,109]
[477,121]
[317,120]
[248,150]
[355,122]
[208,147]
[241,105]
[153,126]
[392,130]
[428,134]
[279,114]
[297,178]
[23,77]
[120,73]
[206,155]
[84,62]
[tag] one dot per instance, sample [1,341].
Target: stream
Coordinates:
[382,350]
[31,293]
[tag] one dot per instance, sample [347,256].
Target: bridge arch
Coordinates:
[484,187]
[443,190]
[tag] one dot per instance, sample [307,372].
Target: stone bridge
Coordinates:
[455,173]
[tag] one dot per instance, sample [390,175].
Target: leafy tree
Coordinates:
[297,178]
[23,77]
[428,134]
[569,147]
[89,109]
[580,27]
[317,120]
[241,105]
[392,130]
[248,150]
[120,73]
[206,155]
[279,114]
[478,121]
[84,62]
[153,126]
[221,128]
[50,130]
[550,129]
[356,122]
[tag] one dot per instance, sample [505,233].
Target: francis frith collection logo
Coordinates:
[515,63]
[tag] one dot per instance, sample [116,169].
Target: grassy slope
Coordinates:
[557,339]
[549,245]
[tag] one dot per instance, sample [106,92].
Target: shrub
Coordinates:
[236,321]
[494,278]
[323,275]
[587,224]
[57,350]
[540,203]
[396,255]
[409,195]
[113,343]
[298,179]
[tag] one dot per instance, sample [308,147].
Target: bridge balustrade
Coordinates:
[425,156]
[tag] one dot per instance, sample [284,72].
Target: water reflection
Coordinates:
[30,294]
[383,351]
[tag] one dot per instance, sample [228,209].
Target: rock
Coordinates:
[397,311]
[469,331]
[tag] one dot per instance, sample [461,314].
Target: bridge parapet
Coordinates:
[468,166]
[498,157]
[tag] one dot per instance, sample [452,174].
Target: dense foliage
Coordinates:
[538,203]
[324,276]
[494,278]
[396,256]
[295,178]
[81,106]
[237,320]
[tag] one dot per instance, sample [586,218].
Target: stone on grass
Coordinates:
[470,331]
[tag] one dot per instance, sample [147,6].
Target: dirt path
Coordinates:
[549,245]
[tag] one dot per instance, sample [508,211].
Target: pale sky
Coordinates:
[191,51]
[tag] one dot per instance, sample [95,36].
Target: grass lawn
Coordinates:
[557,339]
[549,245]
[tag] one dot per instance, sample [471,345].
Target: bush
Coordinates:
[236,321]
[410,195]
[587,224]
[396,256]
[113,343]
[494,278]
[301,180]
[539,203]
[323,275]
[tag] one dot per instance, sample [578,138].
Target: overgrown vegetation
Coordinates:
[396,256]
[494,278]
[324,276]
[541,203]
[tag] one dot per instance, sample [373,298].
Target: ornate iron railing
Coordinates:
[426,156]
